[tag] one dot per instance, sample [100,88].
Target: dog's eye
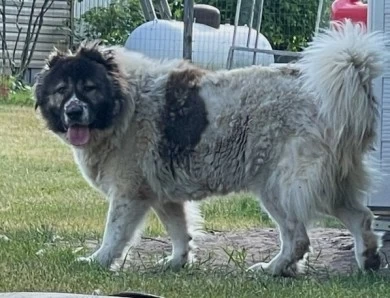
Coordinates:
[89,88]
[60,90]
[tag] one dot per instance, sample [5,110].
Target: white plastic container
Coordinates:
[163,39]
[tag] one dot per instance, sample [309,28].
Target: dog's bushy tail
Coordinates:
[339,66]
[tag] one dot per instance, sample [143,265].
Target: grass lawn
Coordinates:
[48,211]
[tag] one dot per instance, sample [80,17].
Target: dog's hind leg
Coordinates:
[293,194]
[295,242]
[182,221]
[358,220]
[123,222]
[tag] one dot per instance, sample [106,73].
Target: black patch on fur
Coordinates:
[184,117]
[373,260]
[89,63]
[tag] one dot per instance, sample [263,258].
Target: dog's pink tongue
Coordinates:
[78,135]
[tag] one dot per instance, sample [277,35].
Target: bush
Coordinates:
[177,9]
[287,24]
[14,91]
[290,24]
[112,24]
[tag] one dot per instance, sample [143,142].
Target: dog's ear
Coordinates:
[94,51]
[91,50]
[54,57]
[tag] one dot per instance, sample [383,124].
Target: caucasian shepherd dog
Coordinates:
[159,134]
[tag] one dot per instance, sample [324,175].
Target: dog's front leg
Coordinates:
[125,216]
[183,222]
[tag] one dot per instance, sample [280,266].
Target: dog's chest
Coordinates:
[95,171]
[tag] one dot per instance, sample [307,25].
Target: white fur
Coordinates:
[85,116]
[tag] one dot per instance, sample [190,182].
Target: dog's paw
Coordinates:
[260,267]
[97,259]
[303,267]
[176,263]
[271,269]
[88,260]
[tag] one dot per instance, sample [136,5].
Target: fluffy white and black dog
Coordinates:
[159,134]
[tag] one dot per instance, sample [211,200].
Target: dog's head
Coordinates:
[79,94]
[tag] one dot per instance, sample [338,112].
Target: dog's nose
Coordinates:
[74,112]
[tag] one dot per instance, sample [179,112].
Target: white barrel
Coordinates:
[163,39]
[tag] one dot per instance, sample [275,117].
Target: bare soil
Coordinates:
[333,250]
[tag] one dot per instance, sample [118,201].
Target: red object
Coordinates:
[349,9]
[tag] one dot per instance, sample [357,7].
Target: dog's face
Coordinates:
[79,94]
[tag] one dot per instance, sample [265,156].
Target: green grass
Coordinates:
[46,206]
[20,98]
[22,269]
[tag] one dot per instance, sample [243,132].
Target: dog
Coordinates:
[162,135]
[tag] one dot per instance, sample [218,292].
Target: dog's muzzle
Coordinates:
[76,121]
[76,112]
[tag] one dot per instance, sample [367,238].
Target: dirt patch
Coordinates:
[333,249]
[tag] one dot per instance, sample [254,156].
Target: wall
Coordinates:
[52,32]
